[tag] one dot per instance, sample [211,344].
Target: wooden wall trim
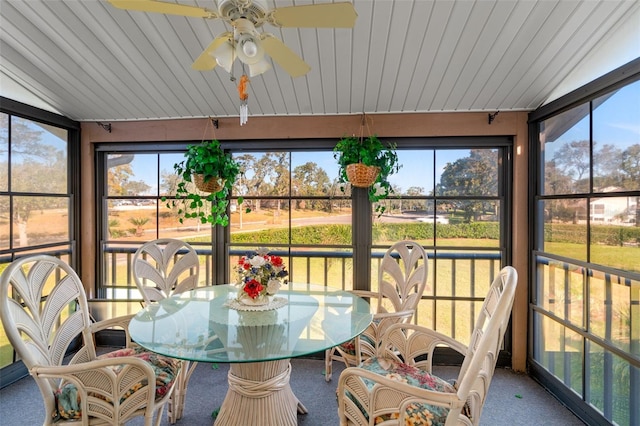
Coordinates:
[398,125]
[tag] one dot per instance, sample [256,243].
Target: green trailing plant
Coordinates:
[369,151]
[209,160]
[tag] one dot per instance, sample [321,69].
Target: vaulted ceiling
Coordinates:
[90,61]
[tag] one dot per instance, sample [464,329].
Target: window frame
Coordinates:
[587,94]
[363,250]
[16,370]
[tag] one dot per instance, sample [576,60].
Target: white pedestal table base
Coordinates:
[260,394]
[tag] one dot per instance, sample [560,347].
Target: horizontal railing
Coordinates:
[118,294]
[602,343]
[117,258]
[454,294]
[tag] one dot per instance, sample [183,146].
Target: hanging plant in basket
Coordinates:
[367,163]
[207,175]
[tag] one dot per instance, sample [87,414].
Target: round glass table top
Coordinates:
[200,326]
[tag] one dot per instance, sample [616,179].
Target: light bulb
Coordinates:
[249,48]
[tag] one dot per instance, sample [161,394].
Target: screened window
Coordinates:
[286,200]
[35,189]
[451,196]
[586,318]
[134,210]
[453,202]
[294,205]
[36,193]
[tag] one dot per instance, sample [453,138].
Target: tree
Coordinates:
[37,166]
[138,222]
[137,187]
[168,182]
[630,168]
[574,160]
[607,167]
[117,178]
[119,173]
[281,176]
[555,181]
[256,176]
[414,191]
[475,175]
[310,179]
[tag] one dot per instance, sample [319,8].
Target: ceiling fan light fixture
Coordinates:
[259,68]
[225,55]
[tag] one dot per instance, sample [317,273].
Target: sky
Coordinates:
[615,122]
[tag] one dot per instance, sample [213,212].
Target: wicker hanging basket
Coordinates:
[212,185]
[361,175]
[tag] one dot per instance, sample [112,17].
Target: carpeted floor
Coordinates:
[514,399]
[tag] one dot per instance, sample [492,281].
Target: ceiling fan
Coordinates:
[245,42]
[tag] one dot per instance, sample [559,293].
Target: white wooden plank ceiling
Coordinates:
[92,62]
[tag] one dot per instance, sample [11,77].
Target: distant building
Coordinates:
[613,210]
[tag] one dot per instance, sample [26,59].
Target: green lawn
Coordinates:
[624,258]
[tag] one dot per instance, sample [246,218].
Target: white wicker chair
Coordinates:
[402,278]
[161,268]
[397,387]
[44,312]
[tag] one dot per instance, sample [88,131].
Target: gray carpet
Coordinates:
[514,399]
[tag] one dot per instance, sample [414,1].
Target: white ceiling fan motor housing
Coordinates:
[252,10]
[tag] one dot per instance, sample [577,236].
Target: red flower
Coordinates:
[276,261]
[253,288]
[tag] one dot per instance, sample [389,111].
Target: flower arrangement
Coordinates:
[260,274]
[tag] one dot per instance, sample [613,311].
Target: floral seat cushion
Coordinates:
[166,369]
[416,413]
[349,347]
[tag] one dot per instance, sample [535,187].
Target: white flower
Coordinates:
[257,261]
[273,286]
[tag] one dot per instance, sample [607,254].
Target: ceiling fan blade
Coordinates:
[206,62]
[328,15]
[283,56]
[164,7]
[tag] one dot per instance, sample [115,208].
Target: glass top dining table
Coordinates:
[205,325]
[199,325]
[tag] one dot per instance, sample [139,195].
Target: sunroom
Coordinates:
[516,125]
